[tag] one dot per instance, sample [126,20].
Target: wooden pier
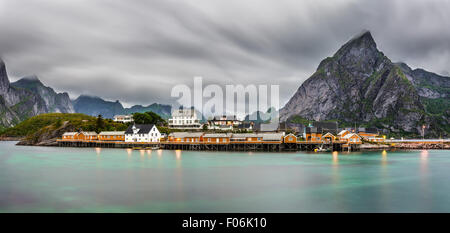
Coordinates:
[231,146]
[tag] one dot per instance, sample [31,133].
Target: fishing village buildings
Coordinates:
[82,136]
[123,118]
[225,133]
[111,136]
[223,123]
[184,119]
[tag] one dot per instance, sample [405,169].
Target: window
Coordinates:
[224,140]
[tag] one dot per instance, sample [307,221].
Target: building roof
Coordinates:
[91,133]
[328,134]
[122,116]
[70,133]
[351,135]
[342,132]
[272,136]
[244,135]
[186,134]
[112,133]
[143,129]
[217,135]
[291,134]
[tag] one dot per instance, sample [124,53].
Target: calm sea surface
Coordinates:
[47,179]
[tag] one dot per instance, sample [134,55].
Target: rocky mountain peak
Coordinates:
[359,55]
[32,78]
[4,81]
[362,41]
[29,81]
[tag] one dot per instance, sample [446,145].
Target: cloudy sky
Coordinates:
[136,51]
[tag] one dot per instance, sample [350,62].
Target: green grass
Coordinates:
[51,121]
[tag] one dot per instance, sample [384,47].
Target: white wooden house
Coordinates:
[142,133]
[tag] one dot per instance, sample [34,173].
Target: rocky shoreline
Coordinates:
[422,146]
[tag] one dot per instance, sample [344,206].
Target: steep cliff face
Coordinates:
[17,104]
[55,102]
[4,81]
[359,84]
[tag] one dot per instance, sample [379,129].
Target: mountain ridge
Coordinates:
[359,84]
[94,105]
[55,102]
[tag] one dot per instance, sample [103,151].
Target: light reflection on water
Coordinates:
[335,158]
[384,160]
[75,180]
[424,168]
[98,150]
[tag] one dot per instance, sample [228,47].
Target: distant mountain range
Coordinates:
[29,97]
[263,117]
[360,85]
[92,105]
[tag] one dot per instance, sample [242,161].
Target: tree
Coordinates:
[157,119]
[148,118]
[100,123]
[142,118]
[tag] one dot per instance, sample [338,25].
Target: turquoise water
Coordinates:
[51,179]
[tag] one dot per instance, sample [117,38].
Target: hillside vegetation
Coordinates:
[53,121]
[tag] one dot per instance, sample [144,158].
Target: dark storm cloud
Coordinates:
[136,51]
